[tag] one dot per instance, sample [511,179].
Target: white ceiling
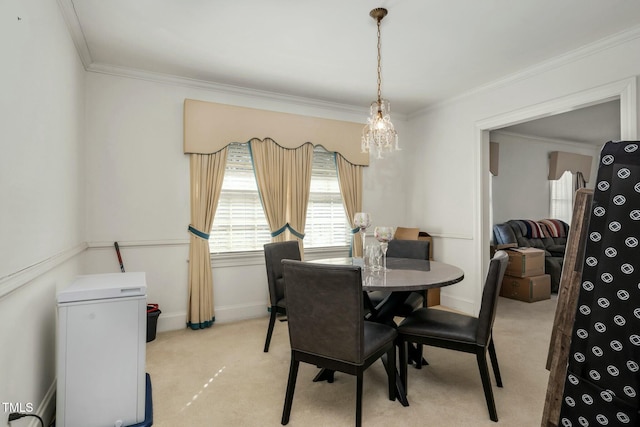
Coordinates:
[326,50]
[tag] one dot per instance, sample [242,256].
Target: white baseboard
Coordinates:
[171,321]
[178,320]
[463,305]
[47,407]
[241,312]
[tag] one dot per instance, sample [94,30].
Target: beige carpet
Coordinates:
[221,377]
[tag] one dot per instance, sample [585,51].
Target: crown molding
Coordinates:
[542,67]
[356,113]
[70,16]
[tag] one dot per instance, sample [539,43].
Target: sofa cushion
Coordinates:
[556,250]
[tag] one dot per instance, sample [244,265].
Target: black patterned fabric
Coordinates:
[603,379]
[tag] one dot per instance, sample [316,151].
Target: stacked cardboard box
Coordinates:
[524,278]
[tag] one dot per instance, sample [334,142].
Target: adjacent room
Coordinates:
[394,135]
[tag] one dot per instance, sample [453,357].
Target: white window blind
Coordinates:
[240,223]
[326,218]
[561,203]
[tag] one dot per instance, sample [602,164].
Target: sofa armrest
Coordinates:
[503,234]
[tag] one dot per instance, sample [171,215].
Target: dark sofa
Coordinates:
[549,235]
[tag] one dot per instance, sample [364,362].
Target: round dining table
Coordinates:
[402,276]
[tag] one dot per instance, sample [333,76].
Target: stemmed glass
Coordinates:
[362,220]
[384,235]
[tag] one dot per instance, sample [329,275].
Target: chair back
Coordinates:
[415,249]
[325,310]
[274,253]
[490,294]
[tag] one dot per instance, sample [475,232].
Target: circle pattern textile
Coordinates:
[602,387]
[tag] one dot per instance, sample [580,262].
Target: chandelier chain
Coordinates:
[379,66]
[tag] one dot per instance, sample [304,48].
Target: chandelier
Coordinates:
[379,134]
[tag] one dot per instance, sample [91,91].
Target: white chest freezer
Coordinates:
[102,324]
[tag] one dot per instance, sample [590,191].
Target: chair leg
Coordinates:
[481,356]
[420,360]
[494,363]
[403,361]
[272,322]
[359,400]
[391,371]
[291,386]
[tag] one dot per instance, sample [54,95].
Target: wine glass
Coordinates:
[362,220]
[384,235]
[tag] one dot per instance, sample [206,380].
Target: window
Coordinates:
[240,223]
[326,223]
[561,203]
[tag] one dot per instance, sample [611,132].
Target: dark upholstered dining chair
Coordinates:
[414,249]
[460,332]
[274,253]
[327,328]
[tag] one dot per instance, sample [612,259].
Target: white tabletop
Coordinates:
[404,274]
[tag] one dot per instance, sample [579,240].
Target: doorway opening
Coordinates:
[624,91]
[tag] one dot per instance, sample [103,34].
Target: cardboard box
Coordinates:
[495,248]
[433,297]
[525,262]
[528,289]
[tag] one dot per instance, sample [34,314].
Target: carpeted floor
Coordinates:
[221,377]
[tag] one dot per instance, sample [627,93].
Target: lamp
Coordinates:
[379,134]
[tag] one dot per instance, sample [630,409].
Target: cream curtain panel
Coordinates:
[350,180]
[283,177]
[270,166]
[300,165]
[206,175]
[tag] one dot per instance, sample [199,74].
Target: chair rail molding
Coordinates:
[139,243]
[13,281]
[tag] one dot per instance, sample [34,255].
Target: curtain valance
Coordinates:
[209,127]
[560,161]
